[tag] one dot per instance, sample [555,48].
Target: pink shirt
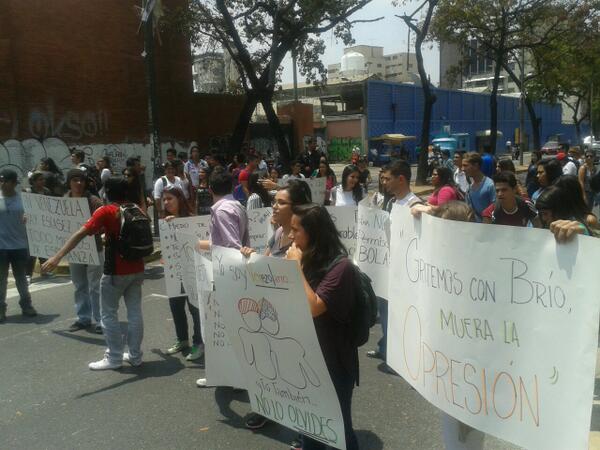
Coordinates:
[444,195]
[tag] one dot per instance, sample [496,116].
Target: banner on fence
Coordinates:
[271,330]
[496,326]
[50,223]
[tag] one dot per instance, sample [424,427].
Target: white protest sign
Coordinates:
[344,218]
[317,189]
[497,326]
[50,223]
[178,238]
[260,228]
[373,250]
[274,338]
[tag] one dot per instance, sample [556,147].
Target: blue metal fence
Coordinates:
[398,108]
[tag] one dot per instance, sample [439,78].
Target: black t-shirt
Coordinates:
[336,289]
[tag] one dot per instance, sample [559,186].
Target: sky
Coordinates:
[390,33]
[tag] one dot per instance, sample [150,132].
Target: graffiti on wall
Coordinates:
[23,156]
[340,149]
[43,122]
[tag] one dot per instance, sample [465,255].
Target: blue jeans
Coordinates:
[112,288]
[86,279]
[18,259]
[382,305]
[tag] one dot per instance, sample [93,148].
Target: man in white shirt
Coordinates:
[568,166]
[460,177]
[169,179]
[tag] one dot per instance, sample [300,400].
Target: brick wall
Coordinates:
[72,70]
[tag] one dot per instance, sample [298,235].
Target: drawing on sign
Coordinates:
[262,346]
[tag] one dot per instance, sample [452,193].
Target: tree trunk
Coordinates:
[535,124]
[275,125]
[241,126]
[494,103]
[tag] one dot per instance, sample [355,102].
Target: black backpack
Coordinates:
[364,314]
[595,182]
[135,236]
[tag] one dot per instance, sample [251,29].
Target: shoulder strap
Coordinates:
[164,181]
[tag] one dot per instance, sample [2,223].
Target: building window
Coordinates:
[395,57]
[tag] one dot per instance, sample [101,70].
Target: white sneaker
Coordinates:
[195,353]
[201,382]
[104,364]
[127,359]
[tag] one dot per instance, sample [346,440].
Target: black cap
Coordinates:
[9,175]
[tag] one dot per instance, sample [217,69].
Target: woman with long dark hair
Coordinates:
[329,280]
[444,189]
[54,179]
[325,171]
[295,193]
[548,171]
[350,192]
[259,197]
[204,198]
[175,205]
[586,172]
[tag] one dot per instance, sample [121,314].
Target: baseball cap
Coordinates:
[561,156]
[9,175]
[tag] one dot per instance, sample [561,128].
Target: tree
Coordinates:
[567,69]
[501,29]
[421,34]
[259,34]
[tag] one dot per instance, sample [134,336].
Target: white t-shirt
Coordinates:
[570,169]
[160,185]
[343,198]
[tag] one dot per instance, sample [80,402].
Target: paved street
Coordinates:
[51,400]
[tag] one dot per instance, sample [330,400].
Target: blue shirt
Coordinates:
[13,234]
[481,197]
[488,165]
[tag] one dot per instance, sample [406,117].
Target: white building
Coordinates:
[364,61]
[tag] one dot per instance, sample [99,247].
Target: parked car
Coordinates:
[555,145]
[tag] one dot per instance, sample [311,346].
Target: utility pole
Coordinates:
[150,75]
[295,68]
[522,110]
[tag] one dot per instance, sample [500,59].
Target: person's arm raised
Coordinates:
[52,262]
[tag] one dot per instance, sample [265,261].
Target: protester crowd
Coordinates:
[558,194]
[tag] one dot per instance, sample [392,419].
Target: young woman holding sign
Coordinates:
[295,193]
[175,205]
[328,278]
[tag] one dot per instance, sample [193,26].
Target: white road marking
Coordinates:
[36,287]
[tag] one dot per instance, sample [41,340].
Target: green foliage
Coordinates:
[259,34]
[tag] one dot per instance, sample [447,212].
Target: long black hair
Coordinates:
[299,192]
[255,187]
[52,167]
[558,201]
[324,239]
[552,168]
[445,178]
[573,192]
[357,192]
